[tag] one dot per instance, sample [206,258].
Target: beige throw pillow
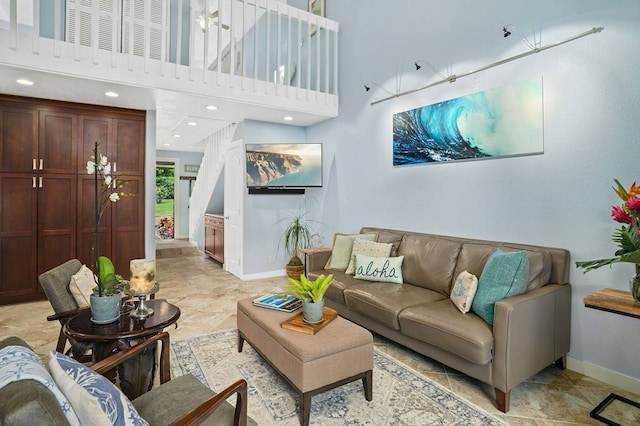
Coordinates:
[464,290]
[368,248]
[342,247]
[81,286]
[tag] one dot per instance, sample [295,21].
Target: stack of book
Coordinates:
[279,302]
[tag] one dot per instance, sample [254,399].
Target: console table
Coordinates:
[617,302]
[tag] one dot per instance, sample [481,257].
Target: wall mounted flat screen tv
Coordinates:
[284,165]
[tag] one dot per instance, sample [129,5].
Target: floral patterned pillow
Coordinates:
[93,397]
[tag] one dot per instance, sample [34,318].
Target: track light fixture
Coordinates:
[431,67]
[506,32]
[368,85]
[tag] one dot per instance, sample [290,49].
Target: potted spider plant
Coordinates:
[296,236]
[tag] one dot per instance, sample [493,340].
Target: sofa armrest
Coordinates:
[316,260]
[530,332]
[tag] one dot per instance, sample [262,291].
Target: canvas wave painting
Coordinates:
[505,121]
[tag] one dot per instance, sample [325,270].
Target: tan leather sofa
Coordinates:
[530,331]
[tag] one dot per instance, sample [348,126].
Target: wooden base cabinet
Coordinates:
[214,236]
[47,198]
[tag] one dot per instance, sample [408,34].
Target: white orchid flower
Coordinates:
[107,180]
[106,170]
[91,167]
[103,160]
[114,197]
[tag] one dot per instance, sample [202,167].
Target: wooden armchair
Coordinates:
[184,400]
[55,283]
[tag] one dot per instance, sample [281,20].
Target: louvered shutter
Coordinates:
[155,27]
[79,22]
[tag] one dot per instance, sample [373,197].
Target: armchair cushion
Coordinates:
[167,403]
[94,398]
[81,286]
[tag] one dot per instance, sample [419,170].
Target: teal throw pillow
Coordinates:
[384,269]
[504,275]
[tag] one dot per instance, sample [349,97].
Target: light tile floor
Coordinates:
[207,297]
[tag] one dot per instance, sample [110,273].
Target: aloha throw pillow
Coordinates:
[342,247]
[21,363]
[93,397]
[463,291]
[81,286]
[368,248]
[504,275]
[383,269]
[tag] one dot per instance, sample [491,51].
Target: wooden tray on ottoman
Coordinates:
[297,323]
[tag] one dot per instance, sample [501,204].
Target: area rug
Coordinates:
[400,396]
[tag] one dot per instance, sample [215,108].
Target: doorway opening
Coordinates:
[165,200]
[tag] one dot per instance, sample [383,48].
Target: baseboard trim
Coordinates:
[262,275]
[610,377]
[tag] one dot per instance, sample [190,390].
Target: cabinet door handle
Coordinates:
[41,163]
[40,182]
[35,167]
[115,167]
[34,180]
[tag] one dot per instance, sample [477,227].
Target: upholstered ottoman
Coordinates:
[338,354]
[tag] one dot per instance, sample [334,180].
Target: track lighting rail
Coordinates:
[454,77]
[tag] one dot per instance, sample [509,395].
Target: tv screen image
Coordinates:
[284,165]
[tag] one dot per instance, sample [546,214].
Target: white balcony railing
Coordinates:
[263,43]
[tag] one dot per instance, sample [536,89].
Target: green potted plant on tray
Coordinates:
[627,236]
[105,299]
[312,295]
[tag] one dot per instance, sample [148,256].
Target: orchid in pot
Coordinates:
[105,300]
[627,236]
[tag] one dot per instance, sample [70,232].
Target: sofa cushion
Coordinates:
[368,248]
[384,302]
[93,397]
[464,290]
[341,249]
[429,261]
[386,236]
[382,269]
[442,325]
[341,281]
[504,275]
[473,257]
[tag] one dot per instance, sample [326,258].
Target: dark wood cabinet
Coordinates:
[47,207]
[214,236]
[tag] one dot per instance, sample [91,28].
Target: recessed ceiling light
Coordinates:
[287,118]
[24,82]
[212,107]
[177,136]
[192,123]
[111,94]
[166,144]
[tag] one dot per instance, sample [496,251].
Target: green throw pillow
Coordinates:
[341,250]
[504,275]
[385,269]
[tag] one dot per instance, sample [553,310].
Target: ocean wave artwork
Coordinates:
[505,121]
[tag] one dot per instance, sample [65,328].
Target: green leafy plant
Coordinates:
[310,291]
[628,235]
[109,280]
[296,236]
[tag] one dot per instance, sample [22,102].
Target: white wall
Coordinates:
[561,198]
